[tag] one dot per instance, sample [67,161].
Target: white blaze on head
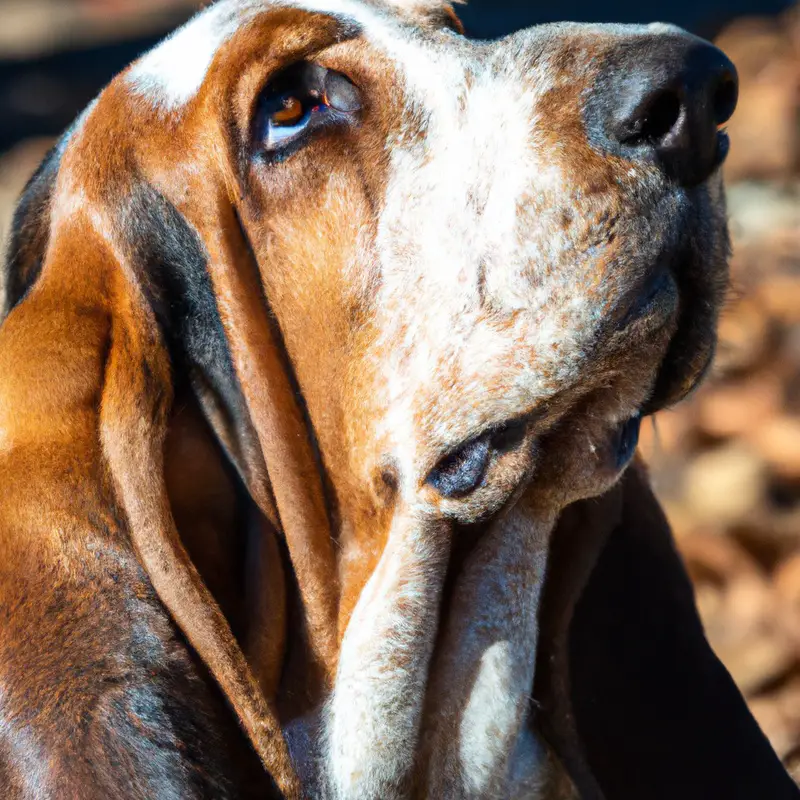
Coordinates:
[172,74]
[452,229]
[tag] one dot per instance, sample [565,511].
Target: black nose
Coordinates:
[662,98]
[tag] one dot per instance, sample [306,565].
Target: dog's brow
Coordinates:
[172,74]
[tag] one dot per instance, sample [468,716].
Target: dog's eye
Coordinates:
[291,115]
[301,99]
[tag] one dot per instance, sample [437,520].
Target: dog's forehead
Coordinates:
[172,74]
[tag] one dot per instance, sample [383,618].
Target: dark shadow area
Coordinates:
[42,97]
[490,18]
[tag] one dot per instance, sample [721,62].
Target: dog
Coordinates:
[326,329]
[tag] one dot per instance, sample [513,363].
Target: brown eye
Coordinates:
[291,113]
[287,116]
[304,98]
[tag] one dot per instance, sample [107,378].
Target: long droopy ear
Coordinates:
[135,406]
[194,303]
[267,385]
[115,260]
[233,355]
[632,696]
[205,292]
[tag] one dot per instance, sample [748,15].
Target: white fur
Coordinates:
[491,717]
[374,715]
[451,210]
[172,73]
[484,668]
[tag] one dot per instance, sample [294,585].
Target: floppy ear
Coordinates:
[170,263]
[156,322]
[231,353]
[633,698]
[196,310]
[269,391]
[114,290]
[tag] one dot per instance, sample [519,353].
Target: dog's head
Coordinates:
[473,266]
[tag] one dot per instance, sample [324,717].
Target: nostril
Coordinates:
[654,119]
[725,97]
[661,100]
[662,116]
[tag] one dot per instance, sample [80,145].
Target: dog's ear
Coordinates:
[292,484]
[231,356]
[161,322]
[106,282]
[196,305]
[633,696]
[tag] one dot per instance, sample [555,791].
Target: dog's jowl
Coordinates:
[317,321]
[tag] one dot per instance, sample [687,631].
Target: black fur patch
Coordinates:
[658,715]
[171,261]
[30,231]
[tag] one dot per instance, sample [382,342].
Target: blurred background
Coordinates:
[726,464]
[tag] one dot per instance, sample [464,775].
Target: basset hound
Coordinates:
[327,338]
